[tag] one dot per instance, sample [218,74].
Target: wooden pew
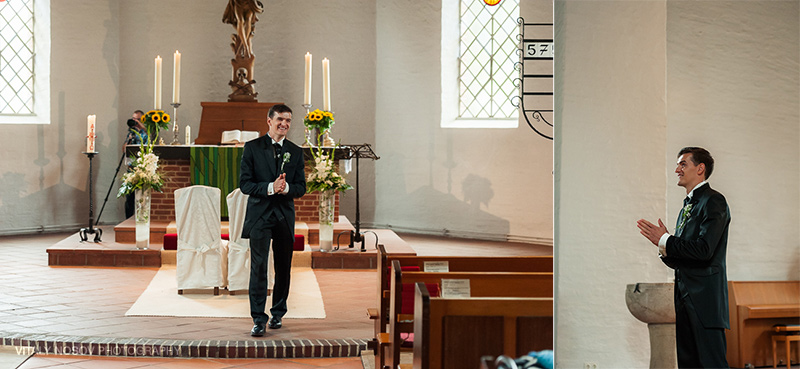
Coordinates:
[380,314]
[482,284]
[755,307]
[455,333]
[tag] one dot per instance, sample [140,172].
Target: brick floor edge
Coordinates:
[50,344]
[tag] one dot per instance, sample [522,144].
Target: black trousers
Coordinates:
[282,247]
[130,205]
[698,347]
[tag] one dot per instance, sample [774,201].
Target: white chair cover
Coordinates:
[238,247]
[202,254]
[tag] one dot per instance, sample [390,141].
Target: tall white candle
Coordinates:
[157,84]
[90,134]
[326,84]
[307,89]
[176,78]
[188,135]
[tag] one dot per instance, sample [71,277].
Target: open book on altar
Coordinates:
[237,137]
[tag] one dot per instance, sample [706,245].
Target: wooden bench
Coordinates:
[755,307]
[482,284]
[456,333]
[380,314]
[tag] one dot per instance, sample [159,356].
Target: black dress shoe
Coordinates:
[275,322]
[258,330]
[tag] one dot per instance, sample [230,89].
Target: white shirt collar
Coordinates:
[695,187]
[277,142]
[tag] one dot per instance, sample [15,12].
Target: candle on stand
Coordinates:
[307,89]
[188,135]
[176,78]
[90,121]
[326,84]
[157,84]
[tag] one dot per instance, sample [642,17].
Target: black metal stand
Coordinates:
[357,152]
[110,187]
[85,232]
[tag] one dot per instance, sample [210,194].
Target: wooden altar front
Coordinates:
[221,169]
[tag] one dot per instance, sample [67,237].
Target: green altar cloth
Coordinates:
[216,166]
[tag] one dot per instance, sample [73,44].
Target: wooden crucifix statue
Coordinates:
[243,15]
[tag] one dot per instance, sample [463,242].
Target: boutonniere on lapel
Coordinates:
[685,215]
[286,157]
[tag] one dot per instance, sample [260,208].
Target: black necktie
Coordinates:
[277,147]
[686,200]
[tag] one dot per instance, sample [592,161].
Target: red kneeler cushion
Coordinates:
[171,241]
[299,242]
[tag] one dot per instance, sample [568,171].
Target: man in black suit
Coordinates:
[697,253]
[273,174]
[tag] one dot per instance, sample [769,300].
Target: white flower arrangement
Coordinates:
[143,174]
[323,176]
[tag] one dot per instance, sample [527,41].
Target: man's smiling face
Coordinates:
[279,125]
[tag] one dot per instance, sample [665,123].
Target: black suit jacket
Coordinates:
[258,170]
[697,253]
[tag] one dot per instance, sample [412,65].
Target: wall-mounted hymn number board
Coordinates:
[537,49]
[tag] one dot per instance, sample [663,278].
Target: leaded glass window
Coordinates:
[488,52]
[16,57]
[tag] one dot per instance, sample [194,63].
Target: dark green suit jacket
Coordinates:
[697,253]
[258,170]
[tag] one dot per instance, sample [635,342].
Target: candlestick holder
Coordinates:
[85,232]
[175,127]
[308,132]
[327,140]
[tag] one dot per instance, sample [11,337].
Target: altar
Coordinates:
[217,166]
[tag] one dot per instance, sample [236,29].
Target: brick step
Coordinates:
[44,344]
[125,232]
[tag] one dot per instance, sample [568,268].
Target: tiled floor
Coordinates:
[86,301]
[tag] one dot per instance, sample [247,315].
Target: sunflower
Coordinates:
[165,118]
[156,117]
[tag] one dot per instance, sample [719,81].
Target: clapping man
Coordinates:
[273,174]
[697,253]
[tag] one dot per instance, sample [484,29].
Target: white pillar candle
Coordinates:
[90,134]
[307,89]
[157,84]
[326,84]
[188,135]
[176,78]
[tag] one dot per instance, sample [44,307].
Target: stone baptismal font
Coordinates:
[652,303]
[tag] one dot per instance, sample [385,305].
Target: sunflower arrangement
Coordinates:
[322,120]
[154,121]
[143,172]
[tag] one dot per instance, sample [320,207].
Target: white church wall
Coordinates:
[734,88]
[491,183]
[43,175]
[610,134]
[102,63]
[625,106]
